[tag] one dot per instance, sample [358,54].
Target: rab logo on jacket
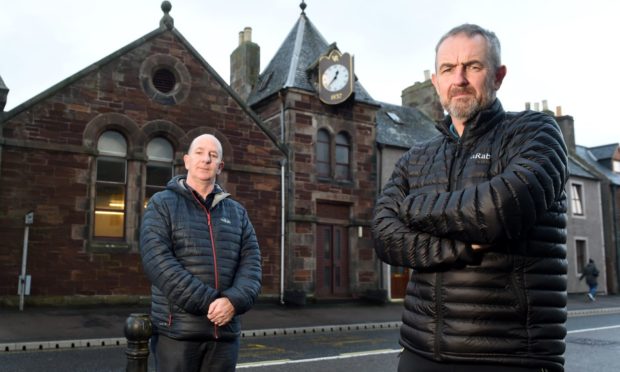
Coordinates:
[225,220]
[479,155]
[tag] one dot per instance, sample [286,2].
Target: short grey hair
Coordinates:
[471,30]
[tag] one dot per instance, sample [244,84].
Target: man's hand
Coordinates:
[221,311]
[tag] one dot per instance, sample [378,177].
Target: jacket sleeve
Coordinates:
[398,244]
[247,283]
[508,204]
[163,269]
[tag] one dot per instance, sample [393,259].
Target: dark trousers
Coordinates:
[411,362]
[194,356]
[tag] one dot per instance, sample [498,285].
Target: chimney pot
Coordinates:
[558,111]
[427,75]
[545,105]
[247,34]
[528,106]
[240,37]
[536,106]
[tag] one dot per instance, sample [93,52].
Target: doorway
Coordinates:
[332,271]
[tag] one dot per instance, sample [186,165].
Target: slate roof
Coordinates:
[289,67]
[414,126]
[594,154]
[577,170]
[604,151]
[166,25]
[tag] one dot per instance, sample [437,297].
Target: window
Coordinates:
[343,150]
[581,254]
[577,199]
[110,187]
[323,155]
[616,166]
[394,116]
[164,80]
[158,167]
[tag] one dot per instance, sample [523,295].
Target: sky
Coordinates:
[554,50]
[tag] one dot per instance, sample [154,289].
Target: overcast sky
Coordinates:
[555,50]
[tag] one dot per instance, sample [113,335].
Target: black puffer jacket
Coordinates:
[192,256]
[501,184]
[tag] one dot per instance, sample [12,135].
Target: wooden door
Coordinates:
[332,261]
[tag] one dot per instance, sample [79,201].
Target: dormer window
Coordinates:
[394,116]
[616,166]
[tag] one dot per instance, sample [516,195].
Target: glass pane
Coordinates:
[323,169]
[159,149]
[149,192]
[342,154]
[112,143]
[111,169]
[158,174]
[342,172]
[322,152]
[322,136]
[109,224]
[110,197]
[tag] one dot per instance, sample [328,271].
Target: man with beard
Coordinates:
[479,214]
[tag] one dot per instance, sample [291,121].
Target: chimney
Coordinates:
[244,64]
[4,92]
[424,97]
[567,126]
[545,109]
[528,106]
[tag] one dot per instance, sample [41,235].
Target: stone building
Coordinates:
[87,153]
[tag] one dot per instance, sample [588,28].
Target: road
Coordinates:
[593,345]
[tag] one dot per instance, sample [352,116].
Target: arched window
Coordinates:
[158,167]
[343,156]
[323,154]
[111,185]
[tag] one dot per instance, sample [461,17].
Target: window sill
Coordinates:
[108,247]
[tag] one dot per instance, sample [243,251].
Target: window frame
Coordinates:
[323,147]
[110,155]
[577,201]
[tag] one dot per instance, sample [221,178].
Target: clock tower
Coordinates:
[336,77]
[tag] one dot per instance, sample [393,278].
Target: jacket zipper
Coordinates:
[439,276]
[217,285]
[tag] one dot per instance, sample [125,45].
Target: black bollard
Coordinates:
[138,332]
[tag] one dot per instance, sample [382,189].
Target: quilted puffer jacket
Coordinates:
[193,256]
[500,185]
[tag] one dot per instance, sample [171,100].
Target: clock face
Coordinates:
[335,77]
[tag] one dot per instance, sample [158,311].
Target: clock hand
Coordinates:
[334,79]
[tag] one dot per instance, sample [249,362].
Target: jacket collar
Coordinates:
[179,185]
[482,122]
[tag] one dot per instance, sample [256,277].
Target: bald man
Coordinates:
[200,252]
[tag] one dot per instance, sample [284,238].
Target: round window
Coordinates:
[164,80]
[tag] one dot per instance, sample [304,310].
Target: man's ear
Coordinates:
[500,74]
[186,161]
[220,166]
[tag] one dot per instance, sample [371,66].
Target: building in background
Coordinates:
[306,147]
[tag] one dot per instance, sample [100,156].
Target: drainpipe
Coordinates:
[282,202]
[614,191]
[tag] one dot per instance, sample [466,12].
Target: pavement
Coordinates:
[55,327]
